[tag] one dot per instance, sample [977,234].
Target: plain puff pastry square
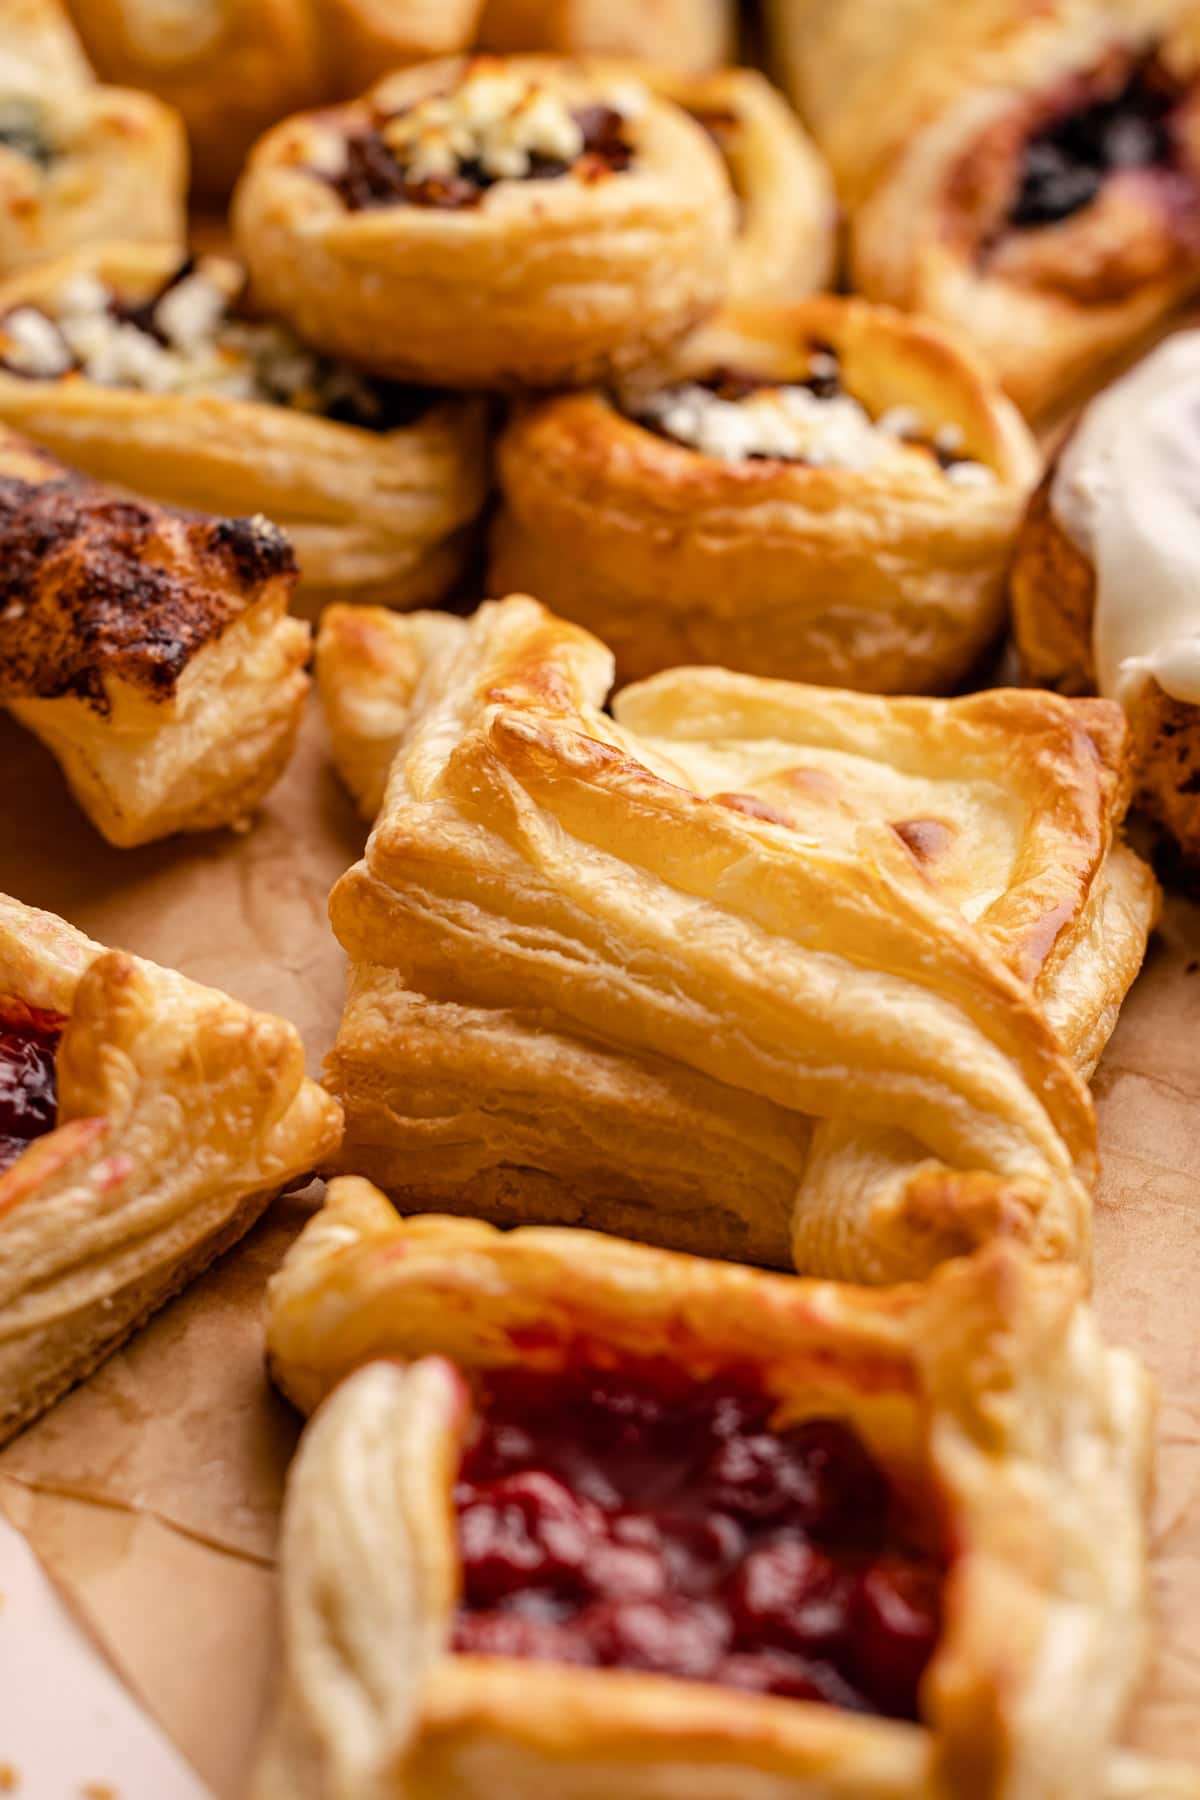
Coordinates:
[150,650]
[749,968]
[180,1114]
[985,1395]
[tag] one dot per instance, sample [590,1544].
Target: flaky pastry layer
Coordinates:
[151,651]
[749,968]
[181,1113]
[888,578]
[986,1396]
[542,282]
[923,110]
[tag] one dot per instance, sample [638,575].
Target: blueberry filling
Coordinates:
[1065,163]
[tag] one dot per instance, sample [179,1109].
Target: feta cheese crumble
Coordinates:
[498,121]
[794,423]
[186,340]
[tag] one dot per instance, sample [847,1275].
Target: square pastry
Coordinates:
[747,968]
[585,1518]
[151,650]
[145,1123]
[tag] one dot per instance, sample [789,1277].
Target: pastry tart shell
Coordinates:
[982,1394]
[885,580]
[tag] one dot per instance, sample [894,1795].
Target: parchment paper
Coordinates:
[151,1493]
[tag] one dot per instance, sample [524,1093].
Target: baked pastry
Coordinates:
[490,223]
[686,35]
[1105,582]
[826,492]
[151,651]
[145,1122]
[78,162]
[230,70]
[152,373]
[748,968]
[707,1520]
[1028,173]
[787,213]
[364,40]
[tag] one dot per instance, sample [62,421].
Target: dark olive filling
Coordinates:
[21,131]
[373,176]
[1065,164]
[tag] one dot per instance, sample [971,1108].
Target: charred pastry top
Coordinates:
[448,149]
[739,416]
[189,337]
[94,586]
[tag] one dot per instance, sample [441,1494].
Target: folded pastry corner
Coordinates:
[151,651]
[571,1506]
[145,1123]
[747,968]
[1029,173]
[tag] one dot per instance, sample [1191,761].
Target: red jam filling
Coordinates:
[631,1520]
[374,177]
[28,1084]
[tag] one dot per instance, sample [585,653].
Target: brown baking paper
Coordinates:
[151,1493]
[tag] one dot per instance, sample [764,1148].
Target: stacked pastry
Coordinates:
[761,959]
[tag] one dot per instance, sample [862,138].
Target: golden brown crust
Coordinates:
[383,516]
[180,1113]
[562,923]
[888,579]
[1054,597]
[985,1395]
[542,282]
[685,35]
[925,147]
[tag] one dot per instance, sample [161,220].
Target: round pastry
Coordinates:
[1106,577]
[231,67]
[78,162]
[676,34]
[147,372]
[826,492]
[490,223]
[1030,173]
[787,213]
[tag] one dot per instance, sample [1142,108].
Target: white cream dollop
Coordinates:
[1127,492]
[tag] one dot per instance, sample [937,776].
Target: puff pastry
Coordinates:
[1106,588]
[490,223]
[153,374]
[1014,1446]
[749,968]
[151,651]
[145,1122]
[1031,174]
[826,492]
[787,213]
[687,35]
[78,162]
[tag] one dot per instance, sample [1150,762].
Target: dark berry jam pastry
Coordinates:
[704,931]
[145,1122]
[491,222]
[1029,175]
[825,491]
[151,371]
[574,1509]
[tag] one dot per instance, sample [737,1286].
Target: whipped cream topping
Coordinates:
[185,342]
[794,423]
[1127,492]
